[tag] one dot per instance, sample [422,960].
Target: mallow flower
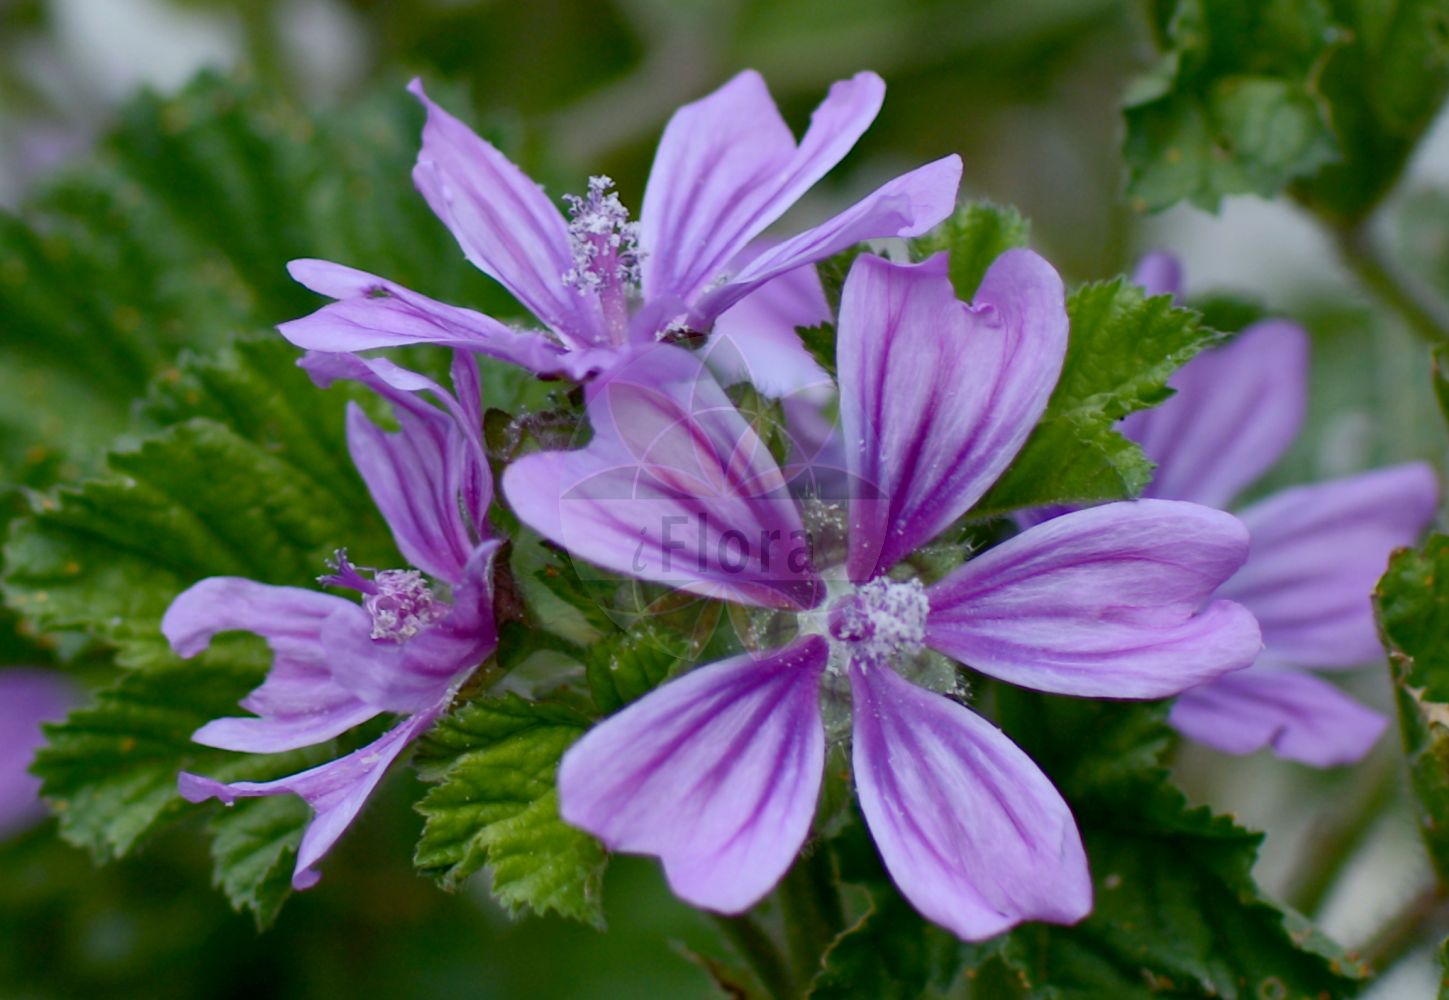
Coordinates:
[28,697]
[1317,550]
[717,772]
[598,284]
[415,636]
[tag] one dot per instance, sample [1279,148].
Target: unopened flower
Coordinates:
[599,284]
[718,772]
[1317,550]
[416,635]
[28,697]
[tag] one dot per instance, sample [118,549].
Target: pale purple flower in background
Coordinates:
[727,167]
[28,697]
[718,772]
[1317,551]
[414,638]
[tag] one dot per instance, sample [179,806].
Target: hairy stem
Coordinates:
[1422,916]
[753,945]
[1418,307]
[813,916]
[1338,834]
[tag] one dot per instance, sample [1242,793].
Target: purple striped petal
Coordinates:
[755,340]
[1159,273]
[727,167]
[1236,410]
[336,791]
[936,396]
[372,312]
[300,703]
[716,773]
[907,206]
[971,831]
[1317,553]
[504,222]
[674,487]
[1302,717]
[1105,602]
[28,697]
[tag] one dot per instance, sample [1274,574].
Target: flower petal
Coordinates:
[372,312]
[727,167]
[674,487]
[1302,717]
[1236,410]
[909,205]
[936,396]
[336,791]
[1159,273]
[755,340]
[1317,553]
[28,697]
[1105,602]
[300,703]
[971,831]
[716,773]
[504,222]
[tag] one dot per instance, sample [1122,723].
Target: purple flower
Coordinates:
[727,167]
[718,772]
[1317,550]
[28,697]
[414,638]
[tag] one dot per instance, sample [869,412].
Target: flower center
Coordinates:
[605,246]
[883,622]
[402,605]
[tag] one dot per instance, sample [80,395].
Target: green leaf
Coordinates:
[1176,908]
[628,665]
[1231,107]
[1123,348]
[109,770]
[254,848]
[493,763]
[1412,601]
[976,235]
[1384,85]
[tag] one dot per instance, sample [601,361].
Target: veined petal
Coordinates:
[727,166]
[936,396]
[504,222]
[716,773]
[336,791]
[28,697]
[674,487]
[1302,717]
[372,312]
[971,831]
[755,340]
[1317,553]
[1236,410]
[300,703]
[909,205]
[1159,273]
[1104,602]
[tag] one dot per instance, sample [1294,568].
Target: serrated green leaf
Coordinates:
[254,848]
[109,770]
[976,235]
[1176,908]
[1231,108]
[1412,601]
[493,763]
[1123,348]
[628,665]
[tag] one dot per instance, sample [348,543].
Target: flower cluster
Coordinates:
[855,640]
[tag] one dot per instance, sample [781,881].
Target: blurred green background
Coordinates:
[1026,91]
